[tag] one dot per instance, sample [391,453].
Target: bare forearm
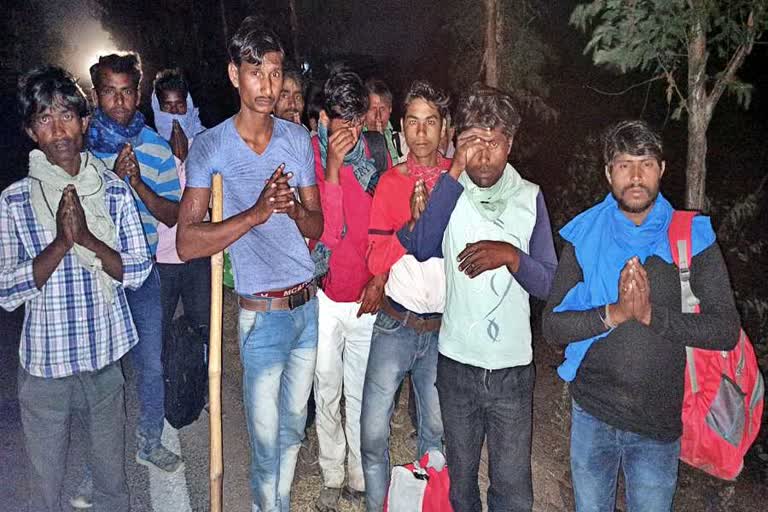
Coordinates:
[111,262]
[46,262]
[311,224]
[162,209]
[203,239]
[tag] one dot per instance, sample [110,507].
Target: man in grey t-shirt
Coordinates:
[264,162]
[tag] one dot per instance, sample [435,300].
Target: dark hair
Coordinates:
[251,41]
[345,96]
[423,90]
[46,86]
[636,138]
[127,63]
[314,101]
[379,88]
[486,107]
[170,80]
[292,73]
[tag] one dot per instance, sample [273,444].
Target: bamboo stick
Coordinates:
[216,467]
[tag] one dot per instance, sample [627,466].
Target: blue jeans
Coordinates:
[498,405]
[147,313]
[597,450]
[278,351]
[396,350]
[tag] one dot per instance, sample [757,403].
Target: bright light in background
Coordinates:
[87,42]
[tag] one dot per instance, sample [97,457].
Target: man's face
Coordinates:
[173,102]
[58,132]
[634,181]
[379,110]
[423,128]
[117,96]
[290,103]
[486,162]
[337,124]
[259,85]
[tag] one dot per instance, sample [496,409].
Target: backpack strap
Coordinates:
[377,145]
[680,245]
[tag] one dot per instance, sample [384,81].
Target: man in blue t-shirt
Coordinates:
[271,204]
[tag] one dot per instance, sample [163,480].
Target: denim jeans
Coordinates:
[278,351]
[597,451]
[190,282]
[47,407]
[147,313]
[396,350]
[498,404]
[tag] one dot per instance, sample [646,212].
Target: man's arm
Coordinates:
[716,327]
[17,279]
[164,209]
[566,326]
[198,239]
[536,270]
[309,217]
[132,250]
[384,248]
[425,240]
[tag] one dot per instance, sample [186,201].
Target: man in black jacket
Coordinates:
[616,303]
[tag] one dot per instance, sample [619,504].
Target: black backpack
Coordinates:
[185,368]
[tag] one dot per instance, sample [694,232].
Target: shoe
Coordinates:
[83,497]
[352,495]
[161,458]
[328,501]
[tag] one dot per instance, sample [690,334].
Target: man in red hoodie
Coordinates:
[405,333]
[347,177]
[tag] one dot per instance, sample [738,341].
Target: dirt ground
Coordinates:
[697,492]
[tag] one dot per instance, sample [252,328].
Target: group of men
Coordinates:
[358,259]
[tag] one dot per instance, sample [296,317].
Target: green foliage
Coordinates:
[653,35]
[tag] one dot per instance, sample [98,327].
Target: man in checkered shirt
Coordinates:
[71,242]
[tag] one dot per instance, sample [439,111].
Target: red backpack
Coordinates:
[724,390]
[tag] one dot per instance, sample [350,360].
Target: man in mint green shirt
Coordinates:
[492,228]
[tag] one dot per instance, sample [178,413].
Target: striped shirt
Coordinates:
[68,326]
[158,170]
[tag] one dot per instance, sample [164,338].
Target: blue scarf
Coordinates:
[364,168]
[604,239]
[106,135]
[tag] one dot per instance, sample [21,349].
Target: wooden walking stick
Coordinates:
[216,468]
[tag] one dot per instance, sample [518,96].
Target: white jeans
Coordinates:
[342,356]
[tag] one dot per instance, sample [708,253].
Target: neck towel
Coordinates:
[364,168]
[429,175]
[49,182]
[491,201]
[190,122]
[604,239]
[105,135]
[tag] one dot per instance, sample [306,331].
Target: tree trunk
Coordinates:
[490,57]
[294,31]
[699,115]
[224,25]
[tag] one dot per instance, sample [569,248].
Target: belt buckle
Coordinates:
[297,299]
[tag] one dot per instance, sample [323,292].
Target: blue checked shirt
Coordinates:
[68,326]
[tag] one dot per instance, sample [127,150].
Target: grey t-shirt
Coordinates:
[274,255]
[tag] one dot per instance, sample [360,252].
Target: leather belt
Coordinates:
[410,319]
[293,301]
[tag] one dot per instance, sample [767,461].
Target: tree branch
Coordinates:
[737,59]
[624,91]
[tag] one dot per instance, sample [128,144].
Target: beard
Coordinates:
[638,207]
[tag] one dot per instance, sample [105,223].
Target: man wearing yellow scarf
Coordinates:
[71,242]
